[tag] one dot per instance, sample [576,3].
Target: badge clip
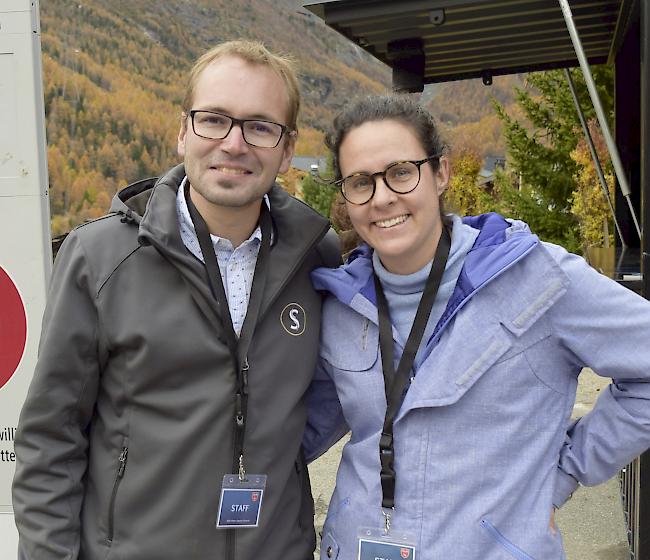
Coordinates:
[242,471]
[387,518]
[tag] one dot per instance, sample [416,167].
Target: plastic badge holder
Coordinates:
[241,501]
[377,543]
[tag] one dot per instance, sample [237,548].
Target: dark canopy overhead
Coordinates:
[460,39]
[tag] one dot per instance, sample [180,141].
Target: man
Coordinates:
[166,412]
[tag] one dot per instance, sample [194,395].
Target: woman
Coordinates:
[488,328]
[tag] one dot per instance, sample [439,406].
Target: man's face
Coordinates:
[230,172]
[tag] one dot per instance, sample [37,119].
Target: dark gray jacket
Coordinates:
[133,357]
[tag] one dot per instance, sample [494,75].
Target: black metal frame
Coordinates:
[642,544]
[632,136]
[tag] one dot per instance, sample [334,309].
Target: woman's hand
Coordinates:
[551,523]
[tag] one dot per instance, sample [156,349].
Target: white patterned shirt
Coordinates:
[236,264]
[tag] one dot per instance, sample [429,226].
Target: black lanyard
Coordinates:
[395,383]
[238,346]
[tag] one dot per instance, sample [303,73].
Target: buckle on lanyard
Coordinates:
[387,460]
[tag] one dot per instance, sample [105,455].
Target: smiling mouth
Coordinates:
[391,222]
[230,170]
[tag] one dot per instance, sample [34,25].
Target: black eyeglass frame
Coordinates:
[418,163]
[240,123]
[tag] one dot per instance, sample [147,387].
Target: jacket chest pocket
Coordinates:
[465,355]
[537,350]
[456,363]
[355,348]
[353,358]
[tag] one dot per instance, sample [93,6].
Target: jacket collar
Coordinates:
[151,204]
[499,245]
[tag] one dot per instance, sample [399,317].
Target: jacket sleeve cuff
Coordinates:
[565,486]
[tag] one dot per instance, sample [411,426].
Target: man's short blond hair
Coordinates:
[252,52]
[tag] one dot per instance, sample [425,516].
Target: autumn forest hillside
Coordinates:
[114,72]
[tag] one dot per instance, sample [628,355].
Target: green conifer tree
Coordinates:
[539,151]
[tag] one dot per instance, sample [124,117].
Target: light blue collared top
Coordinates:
[236,264]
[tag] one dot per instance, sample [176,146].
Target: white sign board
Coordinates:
[25,246]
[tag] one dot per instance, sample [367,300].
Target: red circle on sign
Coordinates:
[13,328]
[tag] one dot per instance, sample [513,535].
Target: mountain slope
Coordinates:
[114,73]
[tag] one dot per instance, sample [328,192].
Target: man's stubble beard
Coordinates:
[221,195]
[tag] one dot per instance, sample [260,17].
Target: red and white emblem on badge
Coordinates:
[255,496]
[405,552]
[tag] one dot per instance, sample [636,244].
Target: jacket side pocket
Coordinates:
[119,475]
[513,550]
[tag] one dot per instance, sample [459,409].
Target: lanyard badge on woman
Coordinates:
[241,493]
[385,542]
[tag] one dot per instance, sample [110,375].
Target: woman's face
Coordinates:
[403,228]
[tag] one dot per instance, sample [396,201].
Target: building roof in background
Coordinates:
[468,38]
[487,172]
[305,163]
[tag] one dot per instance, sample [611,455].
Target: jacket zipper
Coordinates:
[231,534]
[442,323]
[514,551]
[118,478]
[230,544]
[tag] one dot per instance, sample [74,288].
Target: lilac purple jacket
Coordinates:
[484,443]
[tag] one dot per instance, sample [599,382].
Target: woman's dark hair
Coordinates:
[395,107]
[400,108]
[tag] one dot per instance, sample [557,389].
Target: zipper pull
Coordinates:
[122,460]
[244,375]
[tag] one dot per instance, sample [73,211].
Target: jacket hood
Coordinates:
[500,243]
[132,200]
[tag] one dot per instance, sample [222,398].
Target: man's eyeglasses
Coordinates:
[400,177]
[216,126]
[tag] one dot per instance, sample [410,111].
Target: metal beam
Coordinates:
[627,98]
[624,15]
[644,129]
[511,41]
[594,156]
[495,25]
[515,58]
[600,113]
[518,69]
[353,11]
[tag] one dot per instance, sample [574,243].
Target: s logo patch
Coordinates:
[293,319]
